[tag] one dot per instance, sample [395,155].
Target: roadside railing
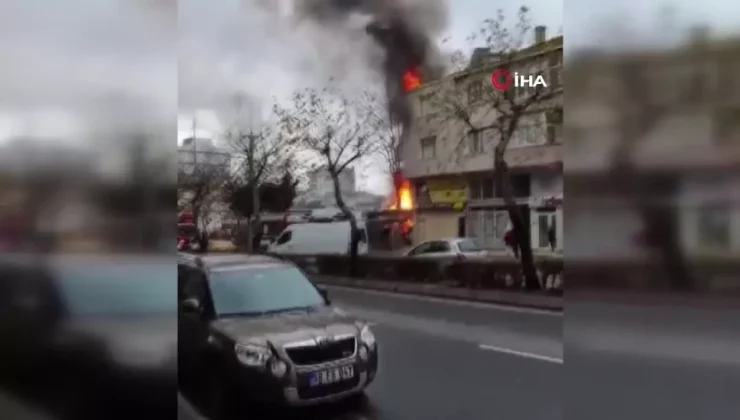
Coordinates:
[483,273]
[708,273]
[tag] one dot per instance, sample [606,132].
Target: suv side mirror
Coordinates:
[191,305]
[325,294]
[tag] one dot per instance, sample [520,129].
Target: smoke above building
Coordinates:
[403,29]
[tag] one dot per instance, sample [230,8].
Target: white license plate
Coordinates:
[331,376]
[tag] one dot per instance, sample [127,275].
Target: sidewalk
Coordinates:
[501,297]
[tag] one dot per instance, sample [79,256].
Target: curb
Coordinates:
[508,298]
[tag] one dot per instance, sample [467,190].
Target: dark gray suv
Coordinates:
[255,328]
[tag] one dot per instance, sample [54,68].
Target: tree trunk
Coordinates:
[638,118]
[662,236]
[250,236]
[354,242]
[521,233]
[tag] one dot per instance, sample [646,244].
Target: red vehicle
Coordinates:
[188,236]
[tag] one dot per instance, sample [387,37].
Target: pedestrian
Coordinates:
[551,237]
[203,241]
[511,242]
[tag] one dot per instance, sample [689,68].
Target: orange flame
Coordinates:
[407,203]
[406,199]
[411,80]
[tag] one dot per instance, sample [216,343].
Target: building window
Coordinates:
[475,91]
[555,70]
[475,144]
[481,188]
[713,225]
[429,148]
[554,120]
[423,105]
[426,104]
[521,184]
[487,188]
[474,189]
[546,224]
[527,134]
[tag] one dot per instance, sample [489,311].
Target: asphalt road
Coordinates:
[443,360]
[652,361]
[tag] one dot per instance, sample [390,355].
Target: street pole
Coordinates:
[250,175]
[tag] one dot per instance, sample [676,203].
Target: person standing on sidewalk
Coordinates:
[551,237]
[511,242]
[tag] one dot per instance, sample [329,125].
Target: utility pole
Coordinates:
[195,212]
[252,174]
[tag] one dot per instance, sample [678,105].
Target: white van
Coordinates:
[318,238]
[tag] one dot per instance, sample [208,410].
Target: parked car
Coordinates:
[449,247]
[254,327]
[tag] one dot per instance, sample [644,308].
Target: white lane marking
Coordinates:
[469,304]
[521,353]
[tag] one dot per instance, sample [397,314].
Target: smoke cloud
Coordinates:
[404,30]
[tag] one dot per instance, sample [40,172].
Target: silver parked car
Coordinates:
[448,247]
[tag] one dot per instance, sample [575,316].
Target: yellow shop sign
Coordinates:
[445,193]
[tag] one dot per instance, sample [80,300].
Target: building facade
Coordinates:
[690,158]
[202,154]
[319,181]
[452,167]
[200,157]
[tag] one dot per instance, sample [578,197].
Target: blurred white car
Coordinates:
[450,247]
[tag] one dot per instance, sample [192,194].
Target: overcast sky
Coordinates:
[232,45]
[120,63]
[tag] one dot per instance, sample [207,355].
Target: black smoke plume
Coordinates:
[403,30]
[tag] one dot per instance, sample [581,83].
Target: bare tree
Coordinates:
[387,131]
[479,108]
[328,123]
[638,114]
[263,154]
[200,180]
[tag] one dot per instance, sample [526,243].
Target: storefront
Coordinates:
[440,207]
[547,220]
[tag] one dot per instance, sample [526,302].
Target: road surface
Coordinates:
[444,360]
[651,361]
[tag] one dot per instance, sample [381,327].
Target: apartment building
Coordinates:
[202,154]
[451,166]
[690,158]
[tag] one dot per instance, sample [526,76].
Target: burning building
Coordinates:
[404,31]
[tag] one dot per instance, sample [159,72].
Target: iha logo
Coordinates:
[504,79]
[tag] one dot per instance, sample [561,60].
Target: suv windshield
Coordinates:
[118,290]
[469,245]
[262,291]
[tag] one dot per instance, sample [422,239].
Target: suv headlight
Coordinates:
[253,355]
[367,336]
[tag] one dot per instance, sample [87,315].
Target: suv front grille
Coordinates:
[313,355]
